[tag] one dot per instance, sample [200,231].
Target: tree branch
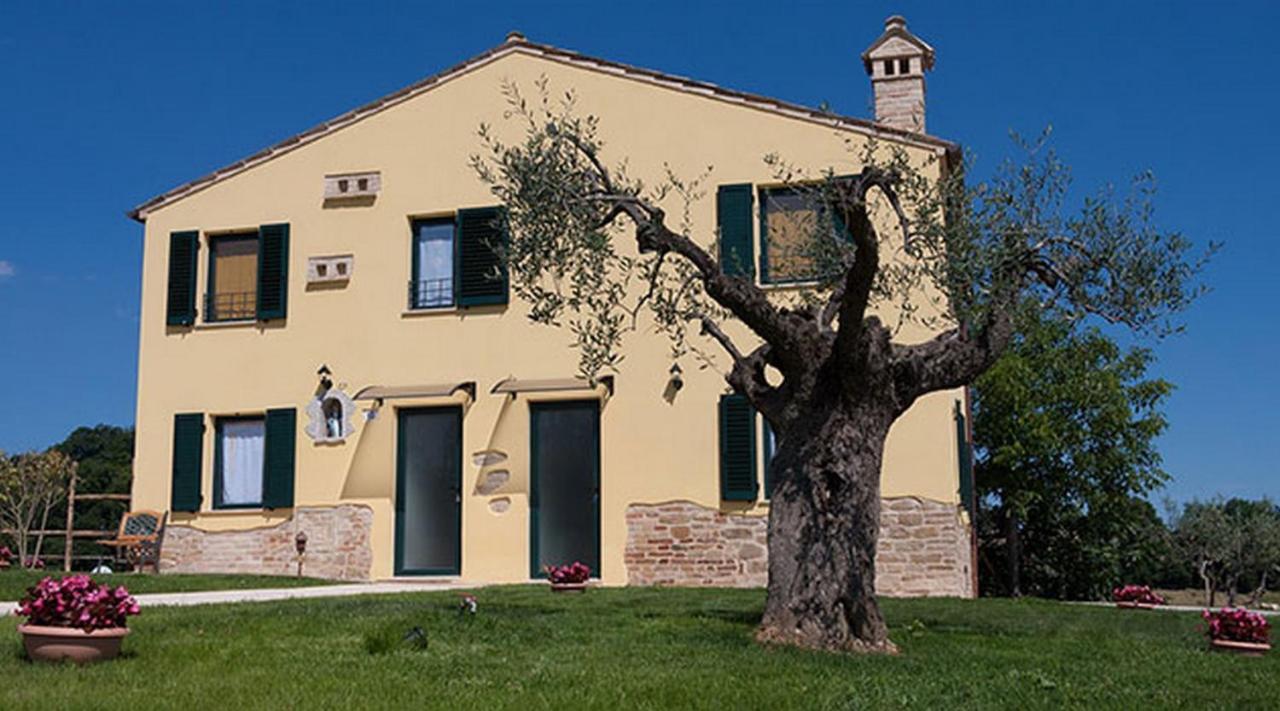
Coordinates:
[860,278]
[740,296]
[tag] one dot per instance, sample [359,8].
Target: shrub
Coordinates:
[77,601]
[1136,593]
[574,573]
[1237,625]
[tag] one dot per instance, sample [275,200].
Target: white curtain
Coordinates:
[242,447]
[435,264]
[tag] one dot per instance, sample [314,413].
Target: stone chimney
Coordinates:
[896,63]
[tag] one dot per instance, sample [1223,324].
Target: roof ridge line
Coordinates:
[517,43]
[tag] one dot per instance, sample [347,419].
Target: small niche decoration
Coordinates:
[331,416]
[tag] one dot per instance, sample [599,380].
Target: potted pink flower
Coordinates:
[74,618]
[1136,597]
[1238,630]
[568,578]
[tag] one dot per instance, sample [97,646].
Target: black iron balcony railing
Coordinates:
[231,305]
[430,293]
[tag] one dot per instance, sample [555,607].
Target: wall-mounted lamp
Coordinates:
[325,381]
[674,383]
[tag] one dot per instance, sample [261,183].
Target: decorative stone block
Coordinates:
[338,546]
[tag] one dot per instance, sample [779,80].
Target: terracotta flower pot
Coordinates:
[54,644]
[1249,649]
[568,587]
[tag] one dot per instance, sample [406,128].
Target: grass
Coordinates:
[640,648]
[14,583]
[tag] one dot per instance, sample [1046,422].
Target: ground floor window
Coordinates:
[238,462]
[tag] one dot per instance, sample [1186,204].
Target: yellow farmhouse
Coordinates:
[324,353]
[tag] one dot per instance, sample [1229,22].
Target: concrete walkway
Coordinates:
[214,597]
[1182,608]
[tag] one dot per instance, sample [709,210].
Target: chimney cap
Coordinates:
[895,27]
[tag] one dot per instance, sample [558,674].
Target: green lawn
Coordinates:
[641,648]
[13,583]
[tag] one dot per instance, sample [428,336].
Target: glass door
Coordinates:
[429,491]
[564,496]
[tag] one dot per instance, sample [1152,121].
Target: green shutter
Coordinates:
[188,453]
[481,274]
[965,449]
[180,308]
[737,449]
[733,220]
[769,452]
[273,271]
[278,458]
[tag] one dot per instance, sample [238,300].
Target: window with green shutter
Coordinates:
[737,449]
[180,304]
[238,445]
[278,460]
[188,453]
[481,274]
[733,224]
[273,271]
[965,451]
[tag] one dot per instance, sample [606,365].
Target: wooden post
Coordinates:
[71,525]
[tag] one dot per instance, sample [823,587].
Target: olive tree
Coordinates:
[823,367]
[31,485]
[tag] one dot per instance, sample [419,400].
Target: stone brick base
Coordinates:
[338,546]
[924,548]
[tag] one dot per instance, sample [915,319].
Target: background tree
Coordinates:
[104,455]
[1230,544]
[31,486]
[1065,426]
[825,371]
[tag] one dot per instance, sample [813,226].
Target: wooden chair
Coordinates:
[139,538]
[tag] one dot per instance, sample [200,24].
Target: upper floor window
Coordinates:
[233,277]
[789,223]
[433,264]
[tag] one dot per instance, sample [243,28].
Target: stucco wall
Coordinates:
[652,450]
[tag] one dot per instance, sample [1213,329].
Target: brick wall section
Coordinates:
[924,548]
[900,103]
[338,546]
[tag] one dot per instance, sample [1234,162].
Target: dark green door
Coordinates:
[564,495]
[429,491]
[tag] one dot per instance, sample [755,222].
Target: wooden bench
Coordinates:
[139,538]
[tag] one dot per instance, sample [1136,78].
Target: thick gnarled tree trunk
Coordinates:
[824,522]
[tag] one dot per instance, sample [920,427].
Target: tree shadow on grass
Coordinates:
[735,616]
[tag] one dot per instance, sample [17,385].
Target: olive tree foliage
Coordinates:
[959,258]
[1230,544]
[31,485]
[976,246]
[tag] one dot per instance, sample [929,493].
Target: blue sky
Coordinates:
[103,105]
